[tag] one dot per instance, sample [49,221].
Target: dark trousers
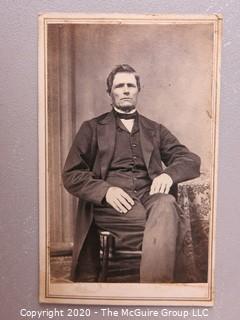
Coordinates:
[153,225]
[159,246]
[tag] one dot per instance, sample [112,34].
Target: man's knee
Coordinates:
[162,206]
[163,200]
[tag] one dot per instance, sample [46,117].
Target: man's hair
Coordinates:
[121,68]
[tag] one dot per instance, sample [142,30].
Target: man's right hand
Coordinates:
[119,199]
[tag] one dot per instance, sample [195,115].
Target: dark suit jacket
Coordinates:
[87,165]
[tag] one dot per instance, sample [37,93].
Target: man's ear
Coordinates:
[109,93]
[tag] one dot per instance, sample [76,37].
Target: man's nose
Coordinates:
[125,89]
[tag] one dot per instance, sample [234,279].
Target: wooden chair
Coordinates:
[117,265]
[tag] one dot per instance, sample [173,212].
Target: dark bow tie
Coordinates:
[126,115]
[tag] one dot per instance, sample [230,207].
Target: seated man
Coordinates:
[115,169]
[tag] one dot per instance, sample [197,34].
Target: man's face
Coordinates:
[124,91]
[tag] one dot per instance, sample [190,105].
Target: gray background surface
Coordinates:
[19,148]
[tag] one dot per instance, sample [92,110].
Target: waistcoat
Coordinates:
[127,169]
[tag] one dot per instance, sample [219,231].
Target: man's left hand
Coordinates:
[161,184]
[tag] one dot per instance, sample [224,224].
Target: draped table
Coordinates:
[195,201]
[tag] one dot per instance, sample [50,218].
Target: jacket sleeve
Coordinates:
[181,164]
[77,175]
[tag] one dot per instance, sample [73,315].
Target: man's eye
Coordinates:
[131,85]
[119,86]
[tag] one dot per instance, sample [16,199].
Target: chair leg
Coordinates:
[105,240]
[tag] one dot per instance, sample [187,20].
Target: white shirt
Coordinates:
[128,123]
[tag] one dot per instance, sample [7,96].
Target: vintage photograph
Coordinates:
[128,139]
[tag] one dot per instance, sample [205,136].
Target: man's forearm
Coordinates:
[81,184]
[185,168]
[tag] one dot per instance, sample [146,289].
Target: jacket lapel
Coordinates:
[106,135]
[146,139]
